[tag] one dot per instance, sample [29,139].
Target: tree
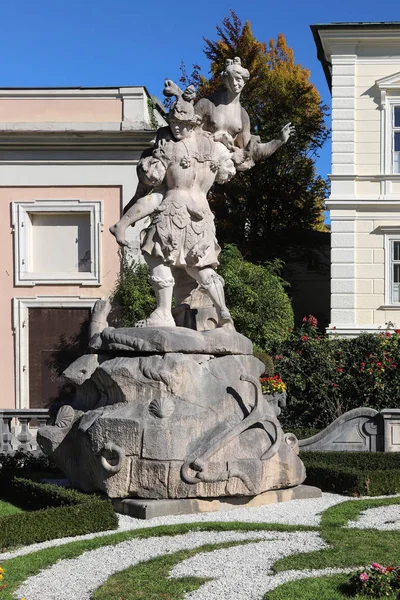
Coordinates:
[257,209]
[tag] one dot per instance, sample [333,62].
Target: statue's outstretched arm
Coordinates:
[261,151]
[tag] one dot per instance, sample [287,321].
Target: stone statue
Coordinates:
[164,411]
[203,144]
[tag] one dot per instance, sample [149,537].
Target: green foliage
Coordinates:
[353,473]
[285,190]
[69,513]
[266,359]
[256,297]
[328,376]
[366,461]
[375,581]
[22,461]
[152,108]
[133,292]
[8,509]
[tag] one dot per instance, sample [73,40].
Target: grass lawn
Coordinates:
[347,548]
[8,509]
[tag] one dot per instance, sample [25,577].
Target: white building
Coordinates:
[361,62]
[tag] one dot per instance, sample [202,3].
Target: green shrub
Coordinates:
[22,461]
[133,293]
[266,359]
[361,460]
[255,295]
[352,481]
[256,298]
[70,513]
[328,376]
[353,473]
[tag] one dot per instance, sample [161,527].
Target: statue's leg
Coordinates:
[213,283]
[143,207]
[162,282]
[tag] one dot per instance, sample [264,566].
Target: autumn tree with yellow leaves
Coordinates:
[258,209]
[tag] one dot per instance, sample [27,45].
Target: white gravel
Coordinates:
[76,579]
[238,573]
[244,572]
[385,518]
[296,512]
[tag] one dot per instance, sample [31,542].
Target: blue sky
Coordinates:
[132,42]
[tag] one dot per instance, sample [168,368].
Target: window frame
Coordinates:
[394,130]
[22,225]
[391,235]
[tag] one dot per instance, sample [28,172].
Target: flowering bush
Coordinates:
[327,376]
[376,581]
[272,385]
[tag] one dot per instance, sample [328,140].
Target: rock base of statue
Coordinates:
[149,509]
[171,413]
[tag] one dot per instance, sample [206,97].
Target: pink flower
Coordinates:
[364,577]
[304,338]
[377,566]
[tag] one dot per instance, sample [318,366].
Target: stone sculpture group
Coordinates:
[173,408]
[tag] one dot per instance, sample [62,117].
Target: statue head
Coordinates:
[234,77]
[182,118]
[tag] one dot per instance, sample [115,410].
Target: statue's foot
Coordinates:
[119,234]
[157,319]
[226,321]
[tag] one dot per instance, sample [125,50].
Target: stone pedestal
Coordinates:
[148,509]
[171,413]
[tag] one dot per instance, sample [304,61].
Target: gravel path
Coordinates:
[76,579]
[385,518]
[296,512]
[238,573]
[244,572]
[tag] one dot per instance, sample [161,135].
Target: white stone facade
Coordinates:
[362,66]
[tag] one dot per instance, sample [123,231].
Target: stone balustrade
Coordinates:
[18,428]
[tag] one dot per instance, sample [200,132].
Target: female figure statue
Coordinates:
[224,116]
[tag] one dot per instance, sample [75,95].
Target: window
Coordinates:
[394,271]
[392,264]
[57,242]
[396,138]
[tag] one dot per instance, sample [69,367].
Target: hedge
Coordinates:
[25,460]
[353,473]
[70,513]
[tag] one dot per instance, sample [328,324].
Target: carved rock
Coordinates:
[176,425]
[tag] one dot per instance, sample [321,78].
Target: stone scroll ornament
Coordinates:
[173,407]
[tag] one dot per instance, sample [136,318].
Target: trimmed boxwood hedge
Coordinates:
[68,513]
[353,473]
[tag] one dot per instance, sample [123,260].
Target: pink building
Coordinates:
[67,167]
